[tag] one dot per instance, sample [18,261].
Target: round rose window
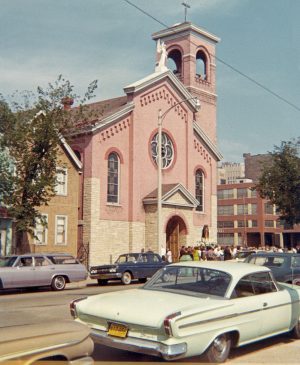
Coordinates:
[167,150]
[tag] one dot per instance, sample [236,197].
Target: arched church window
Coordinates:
[113,178]
[167,150]
[199,187]
[174,62]
[201,65]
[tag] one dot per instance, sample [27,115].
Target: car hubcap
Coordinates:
[220,345]
[127,278]
[59,283]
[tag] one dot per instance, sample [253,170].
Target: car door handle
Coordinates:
[265,304]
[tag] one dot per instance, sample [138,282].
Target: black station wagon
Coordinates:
[128,267]
[285,266]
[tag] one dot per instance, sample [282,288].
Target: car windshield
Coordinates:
[190,280]
[7,261]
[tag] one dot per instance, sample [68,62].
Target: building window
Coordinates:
[199,189]
[41,231]
[253,208]
[242,224]
[269,224]
[225,210]
[254,223]
[269,208]
[61,230]
[61,181]
[242,193]
[225,194]
[242,209]
[225,224]
[113,178]
[225,238]
[253,193]
[167,150]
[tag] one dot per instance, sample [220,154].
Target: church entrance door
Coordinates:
[175,236]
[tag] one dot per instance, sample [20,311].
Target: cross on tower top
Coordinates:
[186,7]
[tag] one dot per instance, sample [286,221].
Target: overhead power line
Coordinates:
[249,78]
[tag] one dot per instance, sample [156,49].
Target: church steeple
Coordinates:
[191,56]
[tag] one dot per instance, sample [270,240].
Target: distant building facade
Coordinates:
[254,165]
[61,213]
[62,232]
[246,219]
[230,172]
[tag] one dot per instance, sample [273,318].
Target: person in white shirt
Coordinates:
[169,256]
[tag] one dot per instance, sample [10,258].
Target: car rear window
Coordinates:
[269,261]
[63,260]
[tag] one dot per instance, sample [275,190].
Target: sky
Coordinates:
[110,40]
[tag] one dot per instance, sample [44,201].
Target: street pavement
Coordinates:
[23,307]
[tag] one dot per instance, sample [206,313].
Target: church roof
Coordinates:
[104,109]
[107,111]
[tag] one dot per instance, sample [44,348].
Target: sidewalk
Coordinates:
[81,284]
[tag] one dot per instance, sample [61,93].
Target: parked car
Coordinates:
[67,341]
[37,269]
[193,308]
[242,255]
[285,266]
[128,267]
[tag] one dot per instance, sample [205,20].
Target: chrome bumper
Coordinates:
[106,276]
[168,352]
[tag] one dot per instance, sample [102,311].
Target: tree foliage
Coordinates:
[280,181]
[30,136]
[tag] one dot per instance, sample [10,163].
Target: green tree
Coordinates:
[30,134]
[280,181]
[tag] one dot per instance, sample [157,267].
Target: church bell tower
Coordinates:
[191,57]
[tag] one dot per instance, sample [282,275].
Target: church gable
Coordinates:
[173,194]
[163,92]
[178,198]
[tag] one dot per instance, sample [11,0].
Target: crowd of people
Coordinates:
[217,252]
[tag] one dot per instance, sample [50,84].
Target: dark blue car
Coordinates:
[128,267]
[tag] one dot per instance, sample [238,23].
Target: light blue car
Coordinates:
[37,269]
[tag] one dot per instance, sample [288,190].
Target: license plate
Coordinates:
[117,330]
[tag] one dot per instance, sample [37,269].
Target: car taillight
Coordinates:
[73,307]
[167,323]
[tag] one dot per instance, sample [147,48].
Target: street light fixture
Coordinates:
[161,117]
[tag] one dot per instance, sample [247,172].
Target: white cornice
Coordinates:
[185,27]
[158,76]
[212,147]
[71,153]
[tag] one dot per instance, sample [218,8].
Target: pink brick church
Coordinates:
[119,154]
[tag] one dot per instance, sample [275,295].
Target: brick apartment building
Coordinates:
[244,218]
